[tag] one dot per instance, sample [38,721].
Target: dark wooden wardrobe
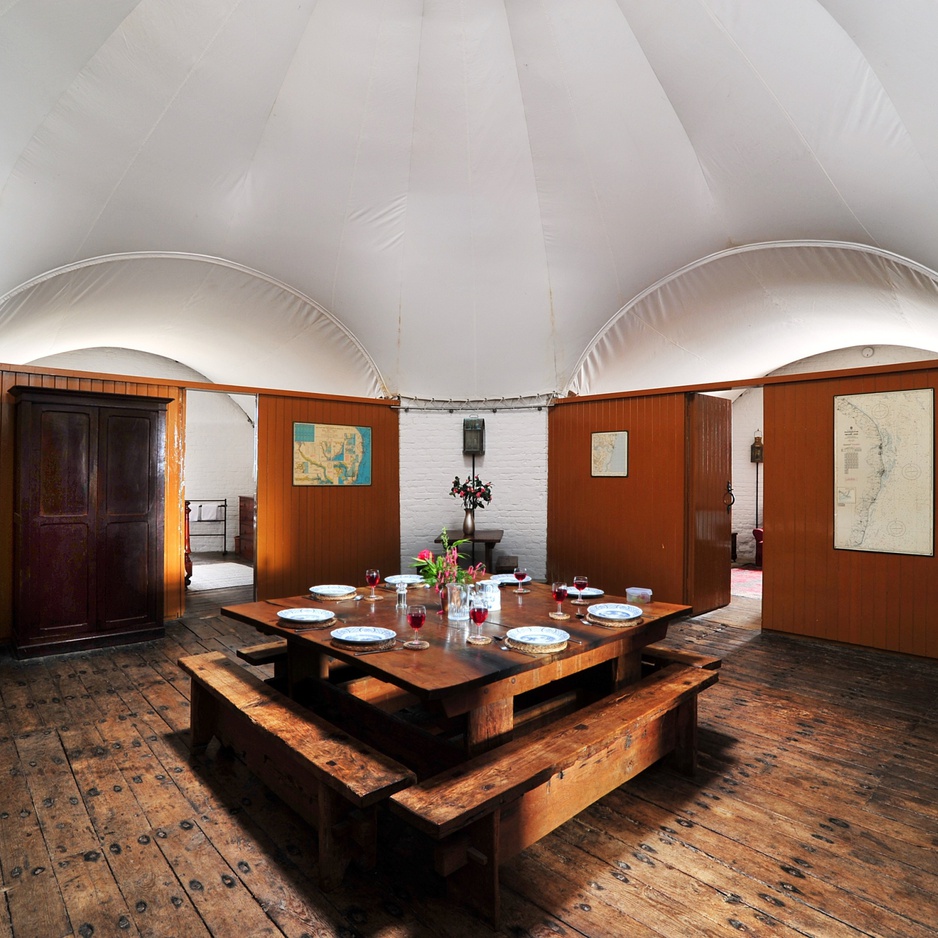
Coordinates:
[88,522]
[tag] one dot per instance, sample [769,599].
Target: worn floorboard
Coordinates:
[814,811]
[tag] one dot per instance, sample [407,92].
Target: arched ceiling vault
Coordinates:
[774,303]
[454,199]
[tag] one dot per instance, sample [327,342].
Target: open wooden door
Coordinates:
[709,499]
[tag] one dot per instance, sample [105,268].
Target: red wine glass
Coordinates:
[559,592]
[580,582]
[521,574]
[372,578]
[416,616]
[478,612]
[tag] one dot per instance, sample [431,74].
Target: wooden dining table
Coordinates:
[479,683]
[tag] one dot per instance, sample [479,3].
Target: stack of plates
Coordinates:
[360,637]
[332,591]
[537,639]
[613,615]
[304,617]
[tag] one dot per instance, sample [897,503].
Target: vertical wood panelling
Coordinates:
[708,471]
[174,536]
[174,575]
[881,600]
[626,531]
[323,534]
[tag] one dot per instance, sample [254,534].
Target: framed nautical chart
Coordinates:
[609,453]
[884,475]
[329,454]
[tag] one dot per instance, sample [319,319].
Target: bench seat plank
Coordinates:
[331,779]
[448,801]
[264,653]
[487,810]
[660,655]
[359,772]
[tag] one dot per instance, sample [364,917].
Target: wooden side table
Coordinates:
[487,538]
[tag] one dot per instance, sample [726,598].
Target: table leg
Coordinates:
[490,725]
[304,661]
[627,669]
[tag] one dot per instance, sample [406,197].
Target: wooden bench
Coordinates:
[657,656]
[327,776]
[273,652]
[491,808]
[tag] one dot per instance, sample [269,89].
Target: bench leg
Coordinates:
[475,883]
[203,716]
[333,846]
[684,756]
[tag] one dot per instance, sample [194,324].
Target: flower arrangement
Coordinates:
[474,492]
[440,569]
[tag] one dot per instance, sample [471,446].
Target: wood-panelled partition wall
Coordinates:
[620,532]
[881,600]
[173,575]
[324,534]
[305,535]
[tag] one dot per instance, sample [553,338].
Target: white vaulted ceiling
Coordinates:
[468,198]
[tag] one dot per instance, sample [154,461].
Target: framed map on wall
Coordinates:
[330,454]
[884,475]
[609,455]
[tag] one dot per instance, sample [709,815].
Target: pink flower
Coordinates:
[425,555]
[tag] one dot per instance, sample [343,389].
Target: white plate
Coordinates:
[305,614]
[537,635]
[617,612]
[363,634]
[588,592]
[502,579]
[331,589]
[409,578]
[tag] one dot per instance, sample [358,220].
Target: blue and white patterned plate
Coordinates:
[409,578]
[614,612]
[305,614]
[504,579]
[537,635]
[588,592]
[363,634]
[332,591]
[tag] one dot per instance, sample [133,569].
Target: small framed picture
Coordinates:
[609,455]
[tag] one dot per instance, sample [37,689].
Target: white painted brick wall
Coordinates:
[515,462]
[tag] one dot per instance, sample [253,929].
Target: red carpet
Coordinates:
[746,582]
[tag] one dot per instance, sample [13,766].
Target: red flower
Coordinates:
[425,555]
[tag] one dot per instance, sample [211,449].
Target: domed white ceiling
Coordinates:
[455,198]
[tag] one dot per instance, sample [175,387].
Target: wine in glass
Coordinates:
[373,578]
[559,592]
[521,574]
[478,612]
[580,582]
[416,616]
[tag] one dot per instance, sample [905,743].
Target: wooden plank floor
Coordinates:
[814,813]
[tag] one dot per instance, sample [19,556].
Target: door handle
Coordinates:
[729,499]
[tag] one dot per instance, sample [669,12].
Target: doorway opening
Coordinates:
[748,530]
[219,482]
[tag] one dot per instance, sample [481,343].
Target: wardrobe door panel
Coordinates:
[63,593]
[88,519]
